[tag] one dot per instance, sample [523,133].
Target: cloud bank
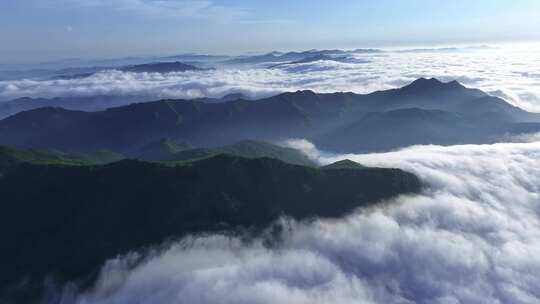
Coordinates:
[472,237]
[510,74]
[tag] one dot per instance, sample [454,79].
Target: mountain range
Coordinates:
[246,149]
[161,150]
[82,103]
[154,67]
[282,57]
[310,59]
[426,111]
[79,188]
[68,73]
[89,103]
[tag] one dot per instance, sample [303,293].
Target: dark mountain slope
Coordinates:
[382,131]
[63,222]
[127,128]
[490,107]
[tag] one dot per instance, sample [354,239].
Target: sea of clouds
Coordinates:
[472,236]
[508,73]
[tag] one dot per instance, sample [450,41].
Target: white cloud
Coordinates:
[472,237]
[510,74]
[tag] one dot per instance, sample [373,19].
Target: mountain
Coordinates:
[60,223]
[160,67]
[227,97]
[234,96]
[426,111]
[247,149]
[345,164]
[180,63]
[310,59]
[383,131]
[153,67]
[11,157]
[191,57]
[89,103]
[275,57]
[81,103]
[63,73]
[447,49]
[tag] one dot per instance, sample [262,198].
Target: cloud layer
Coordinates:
[510,74]
[472,237]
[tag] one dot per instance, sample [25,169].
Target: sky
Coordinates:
[33,30]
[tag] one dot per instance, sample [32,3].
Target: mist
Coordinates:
[472,236]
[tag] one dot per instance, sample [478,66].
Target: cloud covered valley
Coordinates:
[471,237]
[507,73]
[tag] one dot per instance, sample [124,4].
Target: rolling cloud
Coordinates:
[504,73]
[472,237]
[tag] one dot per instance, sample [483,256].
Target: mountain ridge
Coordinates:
[62,222]
[247,149]
[318,117]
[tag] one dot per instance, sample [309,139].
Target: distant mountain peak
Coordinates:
[161,67]
[423,82]
[432,83]
[306,92]
[302,95]
[344,164]
[299,94]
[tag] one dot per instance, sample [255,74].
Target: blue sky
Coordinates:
[46,29]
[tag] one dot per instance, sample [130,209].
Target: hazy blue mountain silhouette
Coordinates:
[160,67]
[153,67]
[275,57]
[444,113]
[82,103]
[90,103]
[314,58]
